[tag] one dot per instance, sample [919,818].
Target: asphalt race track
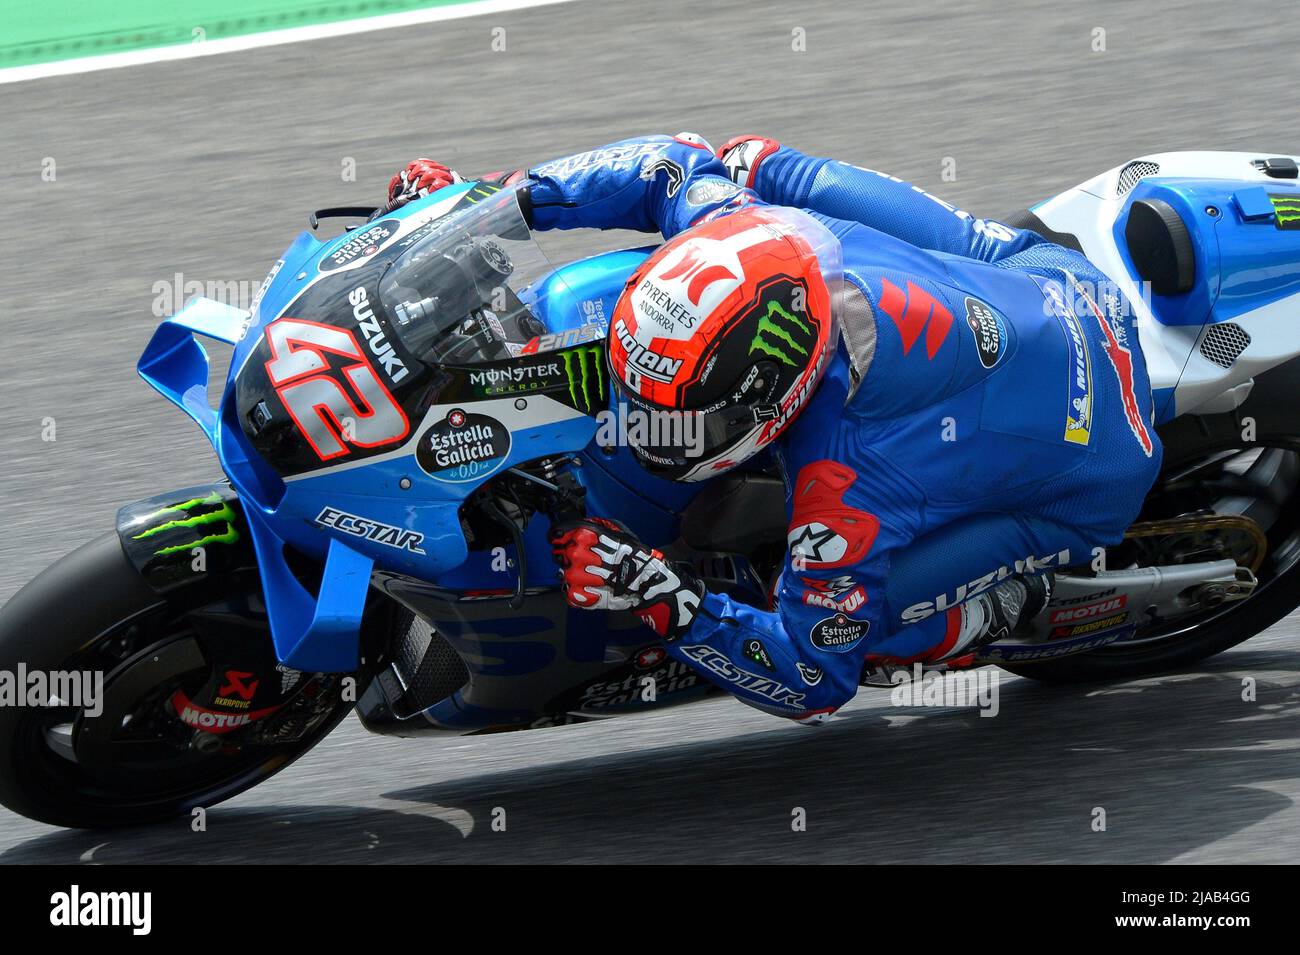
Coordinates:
[208,167]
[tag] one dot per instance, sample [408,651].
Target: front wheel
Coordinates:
[142,745]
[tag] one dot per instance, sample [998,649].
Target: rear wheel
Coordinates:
[137,761]
[1244,465]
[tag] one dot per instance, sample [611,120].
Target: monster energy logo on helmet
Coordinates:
[775,335]
[1286,210]
[584,368]
[211,518]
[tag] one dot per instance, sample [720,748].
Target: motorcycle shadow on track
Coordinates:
[1178,763]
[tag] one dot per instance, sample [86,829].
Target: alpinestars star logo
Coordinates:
[775,335]
[816,544]
[742,159]
[825,532]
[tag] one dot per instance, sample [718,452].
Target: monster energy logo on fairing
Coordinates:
[772,337]
[582,367]
[192,517]
[1286,211]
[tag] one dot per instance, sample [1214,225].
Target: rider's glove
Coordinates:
[605,567]
[419,178]
[506,177]
[742,154]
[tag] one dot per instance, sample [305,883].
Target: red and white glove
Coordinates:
[605,567]
[742,154]
[419,178]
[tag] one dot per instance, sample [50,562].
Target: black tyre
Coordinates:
[1245,462]
[91,611]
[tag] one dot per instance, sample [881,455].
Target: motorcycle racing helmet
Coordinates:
[720,338]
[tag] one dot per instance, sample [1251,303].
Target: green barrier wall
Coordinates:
[42,32]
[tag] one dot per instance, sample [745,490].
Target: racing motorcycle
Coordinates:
[412,403]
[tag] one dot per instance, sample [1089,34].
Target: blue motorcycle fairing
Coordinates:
[175,364]
[384,511]
[1243,259]
[309,634]
[1259,261]
[1191,199]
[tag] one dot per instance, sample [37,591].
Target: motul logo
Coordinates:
[849,604]
[218,722]
[1087,611]
[211,721]
[914,311]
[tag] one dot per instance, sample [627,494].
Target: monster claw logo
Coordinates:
[583,367]
[773,337]
[483,190]
[1286,210]
[210,517]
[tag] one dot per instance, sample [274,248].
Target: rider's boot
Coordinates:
[1005,612]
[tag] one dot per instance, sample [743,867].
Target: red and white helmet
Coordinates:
[721,337]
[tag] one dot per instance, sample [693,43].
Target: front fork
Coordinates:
[190,546]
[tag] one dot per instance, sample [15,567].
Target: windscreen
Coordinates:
[468,286]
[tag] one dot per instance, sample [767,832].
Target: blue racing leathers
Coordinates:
[988,413]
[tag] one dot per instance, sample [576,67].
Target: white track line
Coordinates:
[252,41]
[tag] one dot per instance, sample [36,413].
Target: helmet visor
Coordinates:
[674,443]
